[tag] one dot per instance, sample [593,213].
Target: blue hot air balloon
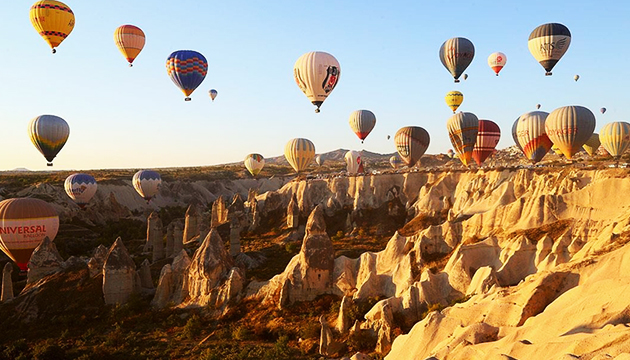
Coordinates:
[187,69]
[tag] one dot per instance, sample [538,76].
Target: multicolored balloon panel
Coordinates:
[254,163]
[187,69]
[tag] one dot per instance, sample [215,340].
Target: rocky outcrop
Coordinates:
[191,223]
[155,239]
[7,283]
[45,260]
[293,213]
[146,281]
[96,262]
[219,213]
[119,272]
[237,219]
[173,283]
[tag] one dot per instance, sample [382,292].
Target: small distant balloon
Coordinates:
[254,163]
[319,159]
[147,183]
[362,122]
[465,76]
[537,106]
[213,94]
[602,110]
[80,188]
[576,77]
[454,99]
[388,137]
[497,61]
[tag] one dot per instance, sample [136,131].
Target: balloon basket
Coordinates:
[456,80]
[49,164]
[187,99]
[548,73]
[317,111]
[54,51]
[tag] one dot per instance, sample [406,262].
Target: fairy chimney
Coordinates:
[155,236]
[191,223]
[7,283]
[293,213]
[119,272]
[45,260]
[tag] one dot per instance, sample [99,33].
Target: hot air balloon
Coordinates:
[537,106]
[515,136]
[49,134]
[362,122]
[130,41]
[531,135]
[388,137]
[80,188]
[299,153]
[450,153]
[556,149]
[615,138]
[465,76]
[24,223]
[411,143]
[354,164]
[53,20]
[319,159]
[213,94]
[547,43]
[395,162]
[456,54]
[454,99]
[488,136]
[187,69]
[576,77]
[497,61]
[147,183]
[254,163]
[602,110]
[570,127]
[592,144]
[317,73]
[462,130]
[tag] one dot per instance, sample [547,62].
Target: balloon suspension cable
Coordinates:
[54,51]
[187,99]
[49,164]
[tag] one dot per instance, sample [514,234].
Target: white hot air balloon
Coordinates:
[317,73]
[80,188]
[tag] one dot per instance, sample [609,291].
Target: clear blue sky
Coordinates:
[123,117]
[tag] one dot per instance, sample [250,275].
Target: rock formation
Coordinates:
[170,240]
[96,262]
[237,219]
[191,223]
[119,272]
[293,213]
[7,283]
[45,260]
[145,275]
[178,237]
[343,320]
[219,213]
[155,239]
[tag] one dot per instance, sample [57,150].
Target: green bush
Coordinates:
[192,327]
[241,333]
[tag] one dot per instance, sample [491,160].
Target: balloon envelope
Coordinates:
[362,122]
[497,61]
[147,183]
[411,143]
[53,20]
[130,41]
[395,161]
[531,135]
[213,94]
[187,69]
[615,137]
[354,163]
[24,223]
[592,144]
[49,134]
[602,110]
[569,127]
[319,159]
[254,163]
[515,136]
[576,77]
[456,54]
[488,136]
[454,99]
[316,74]
[462,130]
[299,153]
[80,188]
[548,43]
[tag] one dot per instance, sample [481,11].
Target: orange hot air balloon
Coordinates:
[24,223]
[462,130]
[488,137]
[130,41]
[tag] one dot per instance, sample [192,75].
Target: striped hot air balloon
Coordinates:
[531,135]
[362,122]
[488,137]
[299,153]
[548,43]
[316,74]
[615,137]
[570,127]
[53,20]
[187,69]
[592,144]
[49,134]
[24,223]
[462,130]
[411,143]
[456,54]
[254,163]
[80,188]
[147,183]
[130,41]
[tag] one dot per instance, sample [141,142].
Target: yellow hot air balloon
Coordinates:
[615,138]
[24,223]
[592,144]
[49,134]
[317,74]
[555,148]
[299,153]
[569,127]
[53,20]
[454,99]
[462,130]
[254,163]
[130,41]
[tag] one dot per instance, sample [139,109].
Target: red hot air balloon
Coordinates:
[488,137]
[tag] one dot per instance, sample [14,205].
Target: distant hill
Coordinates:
[335,156]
